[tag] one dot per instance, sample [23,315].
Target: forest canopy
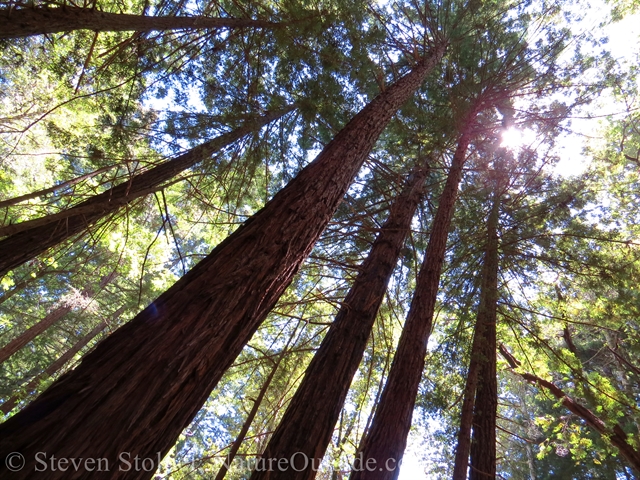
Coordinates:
[343,230]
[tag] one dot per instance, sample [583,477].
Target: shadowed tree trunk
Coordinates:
[385,442]
[485,321]
[25,22]
[143,384]
[483,444]
[615,434]
[307,426]
[52,317]
[33,237]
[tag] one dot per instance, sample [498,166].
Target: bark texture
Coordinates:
[142,385]
[385,443]
[483,443]
[615,434]
[33,237]
[485,321]
[25,22]
[308,423]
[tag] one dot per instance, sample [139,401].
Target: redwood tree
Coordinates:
[485,409]
[385,442]
[308,423]
[484,336]
[141,386]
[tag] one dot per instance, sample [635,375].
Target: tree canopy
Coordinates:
[446,190]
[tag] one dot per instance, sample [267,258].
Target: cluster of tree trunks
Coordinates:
[481,385]
[307,425]
[385,442]
[142,385]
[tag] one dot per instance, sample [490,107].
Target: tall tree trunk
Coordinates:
[25,22]
[307,426]
[483,444]
[384,445]
[486,316]
[142,385]
[33,237]
[615,434]
[52,317]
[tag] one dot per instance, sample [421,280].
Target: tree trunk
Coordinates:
[483,444]
[307,425]
[10,404]
[33,237]
[143,384]
[25,22]
[485,320]
[616,435]
[52,317]
[385,443]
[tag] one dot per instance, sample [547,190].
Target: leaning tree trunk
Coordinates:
[307,426]
[33,237]
[25,22]
[386,440]
[483,444]
[142,385]
[52,317]
[485,321]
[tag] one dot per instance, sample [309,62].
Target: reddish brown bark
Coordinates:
[485,321]
[142,385]
[483,442]
[33,237]
[615,434]
[307,425]
[52,317]
[25,22]
[384,445]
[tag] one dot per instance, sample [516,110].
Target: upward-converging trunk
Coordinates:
[25,22]
[28,239]
[384,445]
[485,409]
[306,428]
[135,393]
[477,372]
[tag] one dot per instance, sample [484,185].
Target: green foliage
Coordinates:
[85,111]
